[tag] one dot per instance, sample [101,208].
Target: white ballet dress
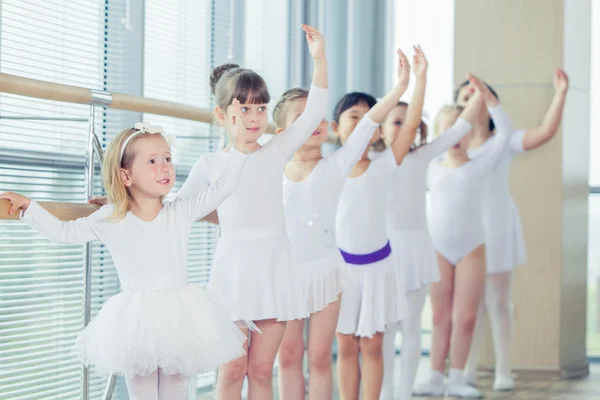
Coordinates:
[158,320]
[310,211]
[456,221]
[412,249]
[504,243]
[254,265]
[371,301]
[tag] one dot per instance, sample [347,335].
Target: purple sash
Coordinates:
[369,258]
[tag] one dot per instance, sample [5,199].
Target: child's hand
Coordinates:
[17,201]
[403,69]
[100,200]
[420,63]
[488,97]
[561,82]
[316,42]
[238,130]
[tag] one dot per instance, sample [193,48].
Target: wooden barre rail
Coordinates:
[74,94]
[63,211]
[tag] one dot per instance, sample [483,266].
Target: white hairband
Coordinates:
[141,127]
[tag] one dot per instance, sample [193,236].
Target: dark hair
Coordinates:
[423,130]
[350,100]
[280,110]
[229,81]
[492,126]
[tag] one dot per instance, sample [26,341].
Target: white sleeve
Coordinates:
[385,164]
[197,179]
[351,152]
[445,141]
[515,142]
[491,153]
[293,138]
[206,200]
[82,230]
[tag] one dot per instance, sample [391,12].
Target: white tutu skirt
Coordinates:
[505,250]
[183,330]
[260,277]
[414,258]
[371,301]
[324,280]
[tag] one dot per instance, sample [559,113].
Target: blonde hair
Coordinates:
[111,171]
[447,109]
[280,110]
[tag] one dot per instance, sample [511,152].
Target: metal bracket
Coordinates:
[101,98]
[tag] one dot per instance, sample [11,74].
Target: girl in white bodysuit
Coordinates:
[254,264]
[505,246]
[370,302]
[457,231]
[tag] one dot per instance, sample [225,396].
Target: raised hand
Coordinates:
[420,63]
[561,82]
[480,88]
[403,69]
[17,201]
[238,131]
[316,42]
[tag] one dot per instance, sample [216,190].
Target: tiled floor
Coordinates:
[530,386]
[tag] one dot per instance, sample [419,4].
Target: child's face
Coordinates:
[348,121]
[151,173]
[255,117]
[293,110]
[392,124]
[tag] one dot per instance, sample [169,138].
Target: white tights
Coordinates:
[158,386]
[410,327]
[498,302]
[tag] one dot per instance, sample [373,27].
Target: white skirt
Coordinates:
[505,250]
[371,301]
[414,258]
[324,280]
[183,330]
[255,270]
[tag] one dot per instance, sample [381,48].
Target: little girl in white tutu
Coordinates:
[160,330]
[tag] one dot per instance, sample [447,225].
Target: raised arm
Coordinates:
[350,153]
[208,199]
[406,136]
[536,137]
[462,126]
[67,232]
[292,138]
[492,152]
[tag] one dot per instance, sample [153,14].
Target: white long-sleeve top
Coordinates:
[457,194]
[147,255]
[256,203]
[406,202]
[361,216]
[311,205]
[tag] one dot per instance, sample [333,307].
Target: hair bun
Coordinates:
[217,73]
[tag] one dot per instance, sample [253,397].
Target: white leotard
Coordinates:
[310,210]
[158,321]
[254,265]
[372,301]
[412,249]
[457,196]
